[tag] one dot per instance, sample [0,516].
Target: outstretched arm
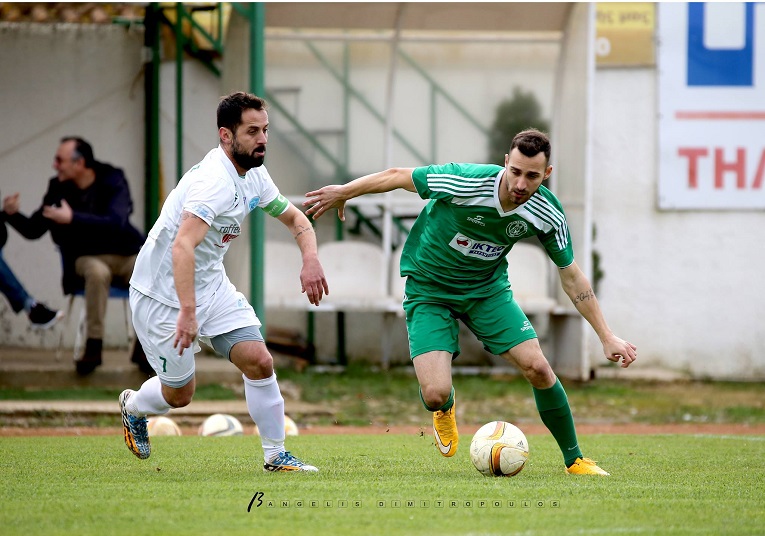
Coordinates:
[312,279]
[578,288]
[335,195]
[31,228]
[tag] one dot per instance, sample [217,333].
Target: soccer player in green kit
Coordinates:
[454,262]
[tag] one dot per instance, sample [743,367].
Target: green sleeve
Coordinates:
[420,179]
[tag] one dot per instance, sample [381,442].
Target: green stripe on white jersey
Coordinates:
[461,238]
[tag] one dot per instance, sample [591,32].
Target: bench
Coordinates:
[359,282]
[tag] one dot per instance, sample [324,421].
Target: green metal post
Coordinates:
[179,39]
[257,219]
[151,108]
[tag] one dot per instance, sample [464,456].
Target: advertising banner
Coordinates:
[711,60]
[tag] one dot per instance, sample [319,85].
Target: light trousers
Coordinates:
[100,272]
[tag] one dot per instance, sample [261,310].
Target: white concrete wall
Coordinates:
[686,286]
[478,75]
[58,80]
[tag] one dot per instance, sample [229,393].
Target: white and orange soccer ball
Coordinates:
[499,448]
[220,424]
[162,426]
[290,428]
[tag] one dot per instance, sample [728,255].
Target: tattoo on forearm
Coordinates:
[300,229]
[583,296]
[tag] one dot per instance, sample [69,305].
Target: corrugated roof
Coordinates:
[76,13]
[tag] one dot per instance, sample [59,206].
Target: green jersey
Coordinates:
[462,236]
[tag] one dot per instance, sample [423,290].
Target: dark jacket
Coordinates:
[3,230]
[99,225]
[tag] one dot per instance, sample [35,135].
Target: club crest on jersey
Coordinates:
[474,248]
[517,228]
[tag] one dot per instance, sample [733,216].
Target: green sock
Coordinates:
[445,407]
[556,414]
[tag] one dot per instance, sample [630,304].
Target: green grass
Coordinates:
[192,485]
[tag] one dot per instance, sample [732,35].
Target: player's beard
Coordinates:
[244,159]
[519,198]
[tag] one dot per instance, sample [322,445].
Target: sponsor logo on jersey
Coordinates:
[474,248]
[236,199]
[253,203]
[477,220]
[526,326]
[229,232]
[231,229]
[517,228]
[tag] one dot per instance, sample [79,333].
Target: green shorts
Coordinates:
[432,313]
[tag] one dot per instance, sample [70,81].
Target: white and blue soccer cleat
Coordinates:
[135,429]
[284,461]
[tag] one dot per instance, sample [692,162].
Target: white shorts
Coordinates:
[155,324]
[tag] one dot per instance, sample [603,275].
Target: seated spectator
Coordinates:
[86,209]
[39,315]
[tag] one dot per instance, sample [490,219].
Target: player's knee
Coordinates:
[539,373]
[435,396]
[259,365]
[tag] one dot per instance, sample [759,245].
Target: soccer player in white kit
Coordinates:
[179,289]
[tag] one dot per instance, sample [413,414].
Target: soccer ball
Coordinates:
[220,424]
[290,428]
[499,449]
[158,426]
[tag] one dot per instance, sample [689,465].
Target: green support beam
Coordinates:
[257,16]
[151,119]
[180,39]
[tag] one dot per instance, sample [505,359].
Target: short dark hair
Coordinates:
[531,142]
[231,107]
[82,149]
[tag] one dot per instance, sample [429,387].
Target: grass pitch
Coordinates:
[386,484]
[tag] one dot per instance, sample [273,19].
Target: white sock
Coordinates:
[266,407]
[148,400]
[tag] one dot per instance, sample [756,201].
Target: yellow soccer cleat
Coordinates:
[586,466]
[445,431]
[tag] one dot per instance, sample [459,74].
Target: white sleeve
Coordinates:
[269,191]
[207,199]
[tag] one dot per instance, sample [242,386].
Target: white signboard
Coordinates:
[712,105]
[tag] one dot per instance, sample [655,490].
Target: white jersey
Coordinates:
[213,191]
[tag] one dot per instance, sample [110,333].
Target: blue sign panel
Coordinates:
[719,67]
